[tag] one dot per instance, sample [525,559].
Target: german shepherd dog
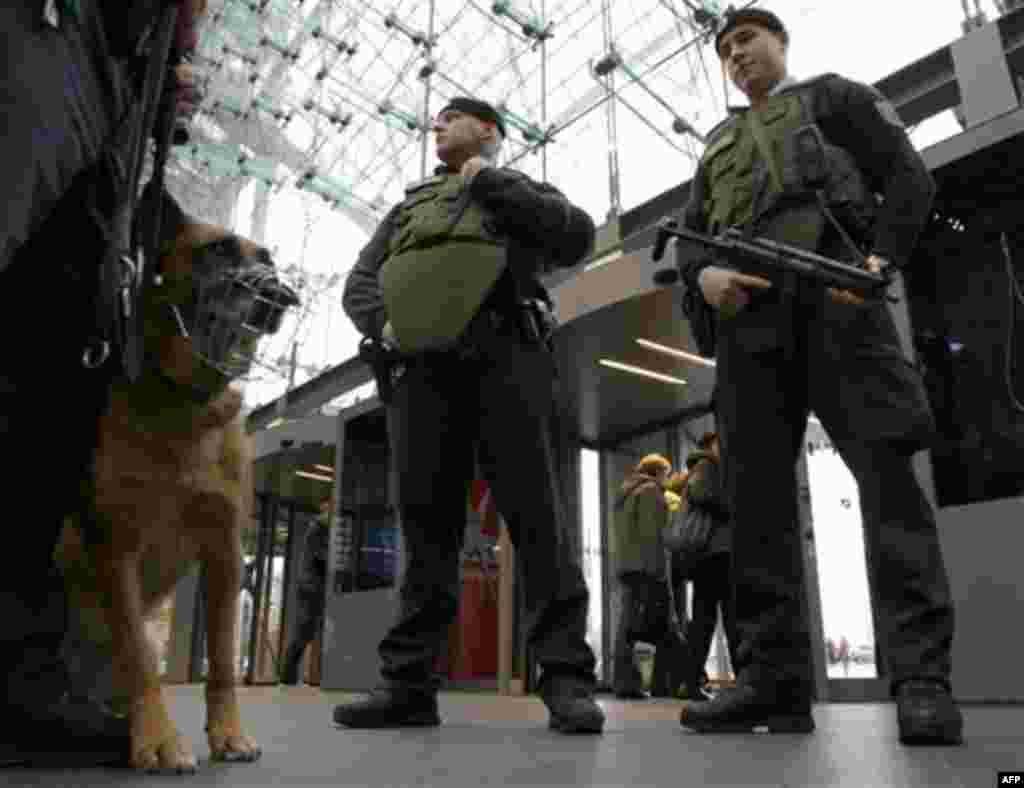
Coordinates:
[172,486]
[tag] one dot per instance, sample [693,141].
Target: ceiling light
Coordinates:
[691,357]
[325,468]
[641,371]
[317,476]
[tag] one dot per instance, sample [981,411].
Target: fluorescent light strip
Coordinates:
[707,362]
[671,351]
[641,371]
[324,468]
[317,476]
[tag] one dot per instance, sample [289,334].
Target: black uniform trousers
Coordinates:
[646,616]
[847,365]
[309,620]
[501,403]
[712,591]
[49,411]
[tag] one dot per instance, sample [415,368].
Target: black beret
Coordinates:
[478,109]
[754,16]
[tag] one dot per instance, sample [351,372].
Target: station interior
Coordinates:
[317,112]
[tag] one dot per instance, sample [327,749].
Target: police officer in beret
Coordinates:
[787,348]
[67,77]
[449,283]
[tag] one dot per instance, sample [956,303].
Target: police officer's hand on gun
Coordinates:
[729,290]
[875,265]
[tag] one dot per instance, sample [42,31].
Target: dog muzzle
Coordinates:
[224,309]
[233,312]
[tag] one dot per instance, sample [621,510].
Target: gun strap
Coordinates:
[758,133]
[117,325]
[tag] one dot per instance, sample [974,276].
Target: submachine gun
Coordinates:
[770,260]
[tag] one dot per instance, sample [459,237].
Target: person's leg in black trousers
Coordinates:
[308,624]
[628,681]
[761,414]
[501,402]
[873,404]
[712,591]
[516,429]
[431,435]
[671,657]
[49,411]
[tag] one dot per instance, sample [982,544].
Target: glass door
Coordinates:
[593,563]
[837,533]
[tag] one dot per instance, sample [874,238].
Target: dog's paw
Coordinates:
[169,755]
[233,747]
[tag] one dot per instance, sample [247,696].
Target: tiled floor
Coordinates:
[488,740]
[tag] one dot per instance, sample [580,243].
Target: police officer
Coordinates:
[310,593]
[450,280]
[785,348]
[63,88]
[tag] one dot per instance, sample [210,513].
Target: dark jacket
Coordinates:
[704,489]
[641,515]
[313,570]
[544,229]
[61,94]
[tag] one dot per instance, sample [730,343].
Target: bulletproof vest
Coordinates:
[743,186]
[444,257]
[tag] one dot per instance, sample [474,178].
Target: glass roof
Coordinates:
[315,113]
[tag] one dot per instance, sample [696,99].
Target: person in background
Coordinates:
[711,575]
[641,515]
[310,592]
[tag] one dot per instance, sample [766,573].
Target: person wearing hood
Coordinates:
[641,515]
[448,293]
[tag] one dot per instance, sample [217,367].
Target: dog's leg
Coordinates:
[156,745]
[223,722]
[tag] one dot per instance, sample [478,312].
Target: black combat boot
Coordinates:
[571,704]
[927,714]
[390,708]
[697,690]
[44,722]
[769,708]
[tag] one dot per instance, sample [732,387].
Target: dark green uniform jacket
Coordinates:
[704,488]
[544,231]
